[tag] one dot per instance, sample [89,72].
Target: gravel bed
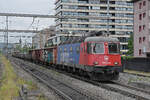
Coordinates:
[130,79]
[86,87]
[130,91]
[49,94]
[144,86]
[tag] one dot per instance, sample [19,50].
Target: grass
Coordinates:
[10,83]
[30,84]
[42,97]
[127,57]
[9,88]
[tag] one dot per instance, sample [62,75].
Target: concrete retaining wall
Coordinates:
[137,64]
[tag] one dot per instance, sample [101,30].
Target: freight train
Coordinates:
[96,57]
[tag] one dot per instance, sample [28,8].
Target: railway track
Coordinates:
[123,89]
[137,74]
[65,91]
[126,90]
[131,87]
[129,91]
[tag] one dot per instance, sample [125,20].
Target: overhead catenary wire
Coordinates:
[32,23]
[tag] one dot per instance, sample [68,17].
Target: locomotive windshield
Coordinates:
[97,48]
[113,48]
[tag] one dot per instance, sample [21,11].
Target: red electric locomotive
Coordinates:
[101,58]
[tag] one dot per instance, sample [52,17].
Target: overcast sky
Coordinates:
[29,7]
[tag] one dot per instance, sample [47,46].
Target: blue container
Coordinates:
[68,54]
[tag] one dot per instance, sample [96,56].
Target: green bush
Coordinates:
[127,57]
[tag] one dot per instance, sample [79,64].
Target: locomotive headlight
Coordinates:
[95,63]
[116,63]
[106,58]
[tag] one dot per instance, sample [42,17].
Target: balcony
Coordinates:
[83,8]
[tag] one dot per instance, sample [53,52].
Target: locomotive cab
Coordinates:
[101,55]
[101,51]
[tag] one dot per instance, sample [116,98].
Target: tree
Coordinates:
[18,47]
[23,49]
[130,45]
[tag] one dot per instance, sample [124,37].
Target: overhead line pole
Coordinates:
[7,29]
[6,35]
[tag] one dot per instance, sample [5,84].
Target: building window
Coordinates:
[140,5]
[140,16]
[140,52]
[144,39]
[143,27]
[140,28]
[140,40]
[144,3]
[56,39]
[144,14]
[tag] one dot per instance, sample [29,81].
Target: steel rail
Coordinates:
[60,93]
[107,87]
[136,74]
[43,73]
[131,87]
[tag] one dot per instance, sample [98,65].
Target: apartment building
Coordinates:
[120,13]
[141,28]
